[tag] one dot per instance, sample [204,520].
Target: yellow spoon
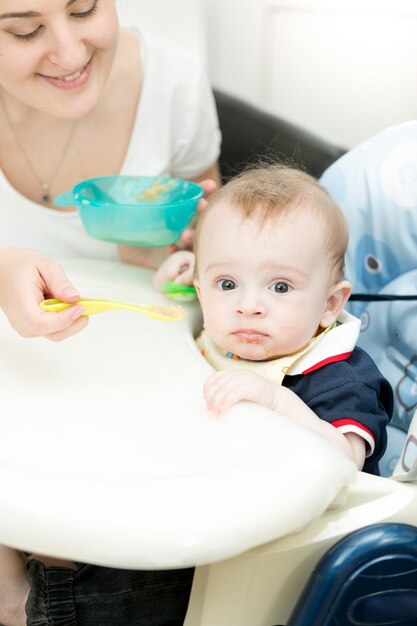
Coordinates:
[92,306]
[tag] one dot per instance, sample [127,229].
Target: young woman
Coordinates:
[79,98]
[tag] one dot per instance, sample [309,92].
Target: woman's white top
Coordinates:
[175,133]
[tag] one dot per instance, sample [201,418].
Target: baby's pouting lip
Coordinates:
[250,335]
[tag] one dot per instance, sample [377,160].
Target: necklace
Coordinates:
[45,184]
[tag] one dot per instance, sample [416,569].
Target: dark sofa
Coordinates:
[248,132]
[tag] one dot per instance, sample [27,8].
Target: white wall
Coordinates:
[344,68]
[234,36]
[179,20]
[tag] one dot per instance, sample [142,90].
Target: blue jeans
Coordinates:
[101,596]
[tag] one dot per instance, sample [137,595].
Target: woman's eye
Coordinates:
[28,35]
[87,13]
[225,284]
[281,287]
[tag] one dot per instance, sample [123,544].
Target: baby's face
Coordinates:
[263,292]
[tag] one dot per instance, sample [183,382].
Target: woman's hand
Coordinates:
[179,267]
[209,186]
[27,278]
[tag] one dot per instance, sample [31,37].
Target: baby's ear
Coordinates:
[336,299]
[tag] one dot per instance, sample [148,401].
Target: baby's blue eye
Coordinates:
[225,284]
[281,287]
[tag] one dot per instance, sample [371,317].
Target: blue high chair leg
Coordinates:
[369,578]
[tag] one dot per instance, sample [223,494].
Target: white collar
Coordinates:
[336,345]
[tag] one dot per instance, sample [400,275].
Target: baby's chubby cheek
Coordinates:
[289,326]
[214,324]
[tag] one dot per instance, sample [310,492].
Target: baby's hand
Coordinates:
[224,389]
[179,267]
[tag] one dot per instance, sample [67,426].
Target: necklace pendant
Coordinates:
[45,196]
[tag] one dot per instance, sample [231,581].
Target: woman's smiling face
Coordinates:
[57,56]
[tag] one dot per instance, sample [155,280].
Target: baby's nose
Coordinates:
[250,305]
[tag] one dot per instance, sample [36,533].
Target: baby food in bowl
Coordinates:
[134,210]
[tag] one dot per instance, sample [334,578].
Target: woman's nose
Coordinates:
[67,49]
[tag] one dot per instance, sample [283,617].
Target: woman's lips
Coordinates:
[70,81]
[250,336]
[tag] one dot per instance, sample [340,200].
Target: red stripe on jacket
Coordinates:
[330,359]
[350,422]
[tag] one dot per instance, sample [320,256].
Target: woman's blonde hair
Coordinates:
[268,192]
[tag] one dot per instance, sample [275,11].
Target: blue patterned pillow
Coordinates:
[376,186]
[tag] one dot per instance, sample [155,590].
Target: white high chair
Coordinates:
[113,424]
[376,185]
[109,455]
[370,576]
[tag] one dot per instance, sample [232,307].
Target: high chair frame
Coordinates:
[262,587]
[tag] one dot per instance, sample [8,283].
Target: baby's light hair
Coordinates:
[269,192]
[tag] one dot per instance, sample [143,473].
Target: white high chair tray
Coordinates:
[109,455]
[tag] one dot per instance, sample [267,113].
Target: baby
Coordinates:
[268,270]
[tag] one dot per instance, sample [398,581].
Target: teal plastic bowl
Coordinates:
[134,210]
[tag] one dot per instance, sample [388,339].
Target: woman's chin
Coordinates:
[81,109]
